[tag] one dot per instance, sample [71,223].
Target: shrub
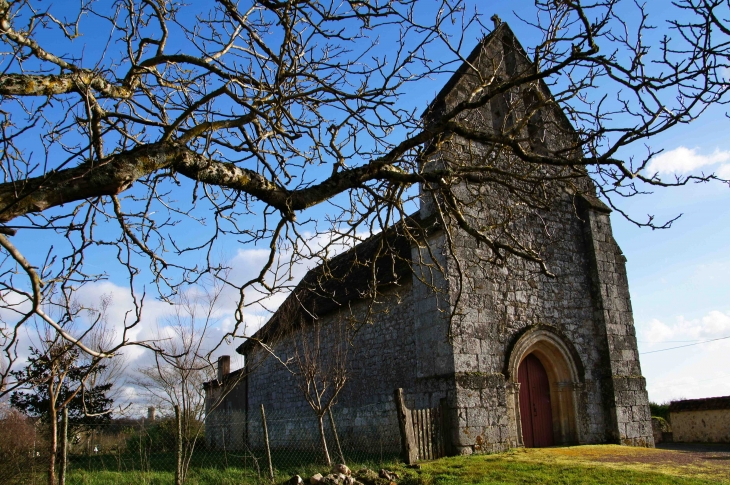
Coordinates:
[660,410]
[160,437]
[18,444]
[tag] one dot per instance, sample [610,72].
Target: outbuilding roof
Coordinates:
[706,404]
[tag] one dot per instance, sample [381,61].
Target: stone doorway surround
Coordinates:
[563,375]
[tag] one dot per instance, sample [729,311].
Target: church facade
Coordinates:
[513,356]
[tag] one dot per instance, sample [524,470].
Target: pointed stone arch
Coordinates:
[565,376]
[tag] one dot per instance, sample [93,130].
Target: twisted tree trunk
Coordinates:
[324,441]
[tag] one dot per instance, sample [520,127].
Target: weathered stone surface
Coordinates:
[339,479]
[464,450]
[701,426]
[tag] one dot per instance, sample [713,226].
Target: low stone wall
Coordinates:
[701,420]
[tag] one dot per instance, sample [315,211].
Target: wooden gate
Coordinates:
[422,431]
[428,425]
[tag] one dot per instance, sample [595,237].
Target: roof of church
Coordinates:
[382,260]
[465,67]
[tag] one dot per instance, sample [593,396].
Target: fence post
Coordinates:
[266,443]
[405,423]
[337,438]
[178,447]
[64,447]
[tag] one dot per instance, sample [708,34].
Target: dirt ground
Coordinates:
[676,454]
[708,461]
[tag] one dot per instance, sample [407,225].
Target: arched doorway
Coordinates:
[544,378]
[535,409]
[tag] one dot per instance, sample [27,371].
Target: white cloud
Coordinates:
[715,324]
[690,368]
[657,331]
[121,311]
[288,268]
[723,172]
[684,160]
[689,383]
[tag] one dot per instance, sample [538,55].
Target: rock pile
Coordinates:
[342,475]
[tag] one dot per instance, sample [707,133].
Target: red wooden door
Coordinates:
[535,410]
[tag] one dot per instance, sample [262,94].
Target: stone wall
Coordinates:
[225,411]
[624,388]
[661,429]
[383,355]
[701,420]
[585,304]
[711,426]
[501,303]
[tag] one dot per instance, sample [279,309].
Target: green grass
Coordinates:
[659,410]
[207,463]
[196,477]
[497,470]
[586,465]
[206,467]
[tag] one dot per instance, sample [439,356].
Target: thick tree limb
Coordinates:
[117,173]
[55,84]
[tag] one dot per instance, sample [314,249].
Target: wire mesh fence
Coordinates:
[228,448]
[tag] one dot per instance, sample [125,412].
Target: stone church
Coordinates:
[527,359]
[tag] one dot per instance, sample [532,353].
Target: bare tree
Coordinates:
[182,365]
[178,131]
[320,367]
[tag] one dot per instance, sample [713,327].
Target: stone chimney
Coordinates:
[151,413]
[224,367]
[497,21]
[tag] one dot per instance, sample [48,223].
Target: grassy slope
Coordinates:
[604,464]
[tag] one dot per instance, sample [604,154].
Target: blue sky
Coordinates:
[679,278]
